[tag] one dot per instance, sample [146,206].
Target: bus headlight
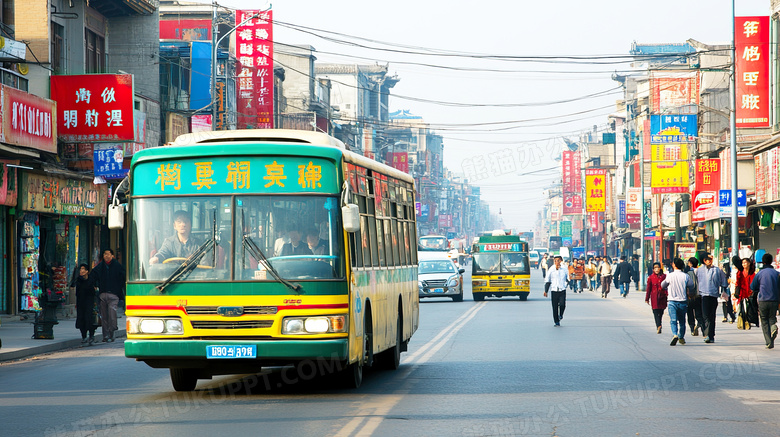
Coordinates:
[154,325]
[479,283]
[314,325]
[522,283]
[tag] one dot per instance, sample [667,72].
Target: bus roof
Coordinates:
[264,141]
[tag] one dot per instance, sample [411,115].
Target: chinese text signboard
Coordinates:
[572,183]
[186,30]
[399,161]
[255,75]
[62,196]
[108,163]
[647,216]
[705,192]
[595,189]
[622,222]
[28,120]
[94,108]
[671,89]
[767,176]
[235,175]
[726,205]
[565,228]
[752,76]
[670,135]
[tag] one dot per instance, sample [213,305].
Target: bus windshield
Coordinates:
[434,243]
[487,263]
[299,235]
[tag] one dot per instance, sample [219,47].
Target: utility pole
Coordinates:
[733,128]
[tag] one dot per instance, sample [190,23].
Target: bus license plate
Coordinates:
[231,351]
[438,290]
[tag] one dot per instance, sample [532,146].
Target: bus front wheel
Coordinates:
[184,379]
[478,297]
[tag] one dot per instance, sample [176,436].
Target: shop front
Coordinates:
[8,195]
[61,224]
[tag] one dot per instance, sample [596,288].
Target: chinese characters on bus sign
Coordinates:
[240,174]
[255,75]
[496,247]
[752,52]
[94,108]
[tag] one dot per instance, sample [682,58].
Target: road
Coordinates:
[493,368]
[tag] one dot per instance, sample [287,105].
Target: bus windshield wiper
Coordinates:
[193,260]
[189,264]
[254,250]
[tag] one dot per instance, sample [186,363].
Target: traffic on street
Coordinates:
[495,367]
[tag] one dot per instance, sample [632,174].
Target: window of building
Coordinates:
[95,52]
[57,48]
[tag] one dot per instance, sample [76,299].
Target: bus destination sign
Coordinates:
[500,247]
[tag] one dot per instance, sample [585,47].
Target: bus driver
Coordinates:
[179,245]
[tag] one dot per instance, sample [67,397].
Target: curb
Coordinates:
[51,347]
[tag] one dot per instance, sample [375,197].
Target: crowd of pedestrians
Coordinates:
[691,292]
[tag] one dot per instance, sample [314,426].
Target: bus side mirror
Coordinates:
[116,215]
[350,214]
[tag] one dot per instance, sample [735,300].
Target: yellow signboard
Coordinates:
[595,190]
[669,168]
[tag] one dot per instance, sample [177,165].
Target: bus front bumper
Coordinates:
[270,350]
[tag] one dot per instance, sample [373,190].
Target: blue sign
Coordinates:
[424,212]
[673,129]
[450,235]
[725,203]
[108,163]
[577,252]
[200,75]
[622,222]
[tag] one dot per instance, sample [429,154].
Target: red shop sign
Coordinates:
[94,107]
[28,120]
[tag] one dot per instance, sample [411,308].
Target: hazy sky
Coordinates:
[461,102]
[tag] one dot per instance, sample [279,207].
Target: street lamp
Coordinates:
[214,46]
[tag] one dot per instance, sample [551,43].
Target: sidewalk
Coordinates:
[16,336]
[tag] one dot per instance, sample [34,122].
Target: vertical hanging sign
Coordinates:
[752,75]
[255,75]
[595,189]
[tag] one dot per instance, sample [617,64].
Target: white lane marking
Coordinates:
[377,414]
[443,332]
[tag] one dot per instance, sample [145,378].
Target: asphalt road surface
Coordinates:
[493,368]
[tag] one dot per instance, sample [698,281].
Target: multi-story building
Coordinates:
[53,214]
[359,97]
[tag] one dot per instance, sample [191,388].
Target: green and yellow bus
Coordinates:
[260,248]
[500,267]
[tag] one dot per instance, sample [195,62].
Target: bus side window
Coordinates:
[378,237]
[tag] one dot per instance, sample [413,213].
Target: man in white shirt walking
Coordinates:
[556,282]
[677,285]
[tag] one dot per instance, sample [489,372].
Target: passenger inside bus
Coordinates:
[317,245]
[295,246]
